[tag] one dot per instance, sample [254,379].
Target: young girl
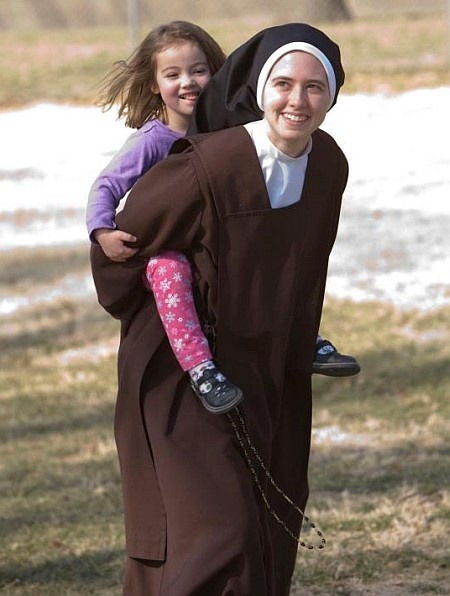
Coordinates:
[157,89]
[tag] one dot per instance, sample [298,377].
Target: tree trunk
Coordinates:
[313,11]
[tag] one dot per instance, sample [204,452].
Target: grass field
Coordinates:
[380,459]
[378,471]
[381,54]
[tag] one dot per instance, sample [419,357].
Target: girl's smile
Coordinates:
[192,96]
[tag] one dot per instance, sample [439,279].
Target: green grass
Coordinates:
[380,494]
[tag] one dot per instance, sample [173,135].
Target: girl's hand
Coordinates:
[113,244]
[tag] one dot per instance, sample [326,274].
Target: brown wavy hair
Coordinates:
[130,82]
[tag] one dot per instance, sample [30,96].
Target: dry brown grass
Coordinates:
[378,470]
[379,473]
[380,55]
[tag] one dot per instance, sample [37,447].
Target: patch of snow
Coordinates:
[393,242]
[333,434]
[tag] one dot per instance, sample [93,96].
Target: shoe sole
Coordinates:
[222,409]
[336,370]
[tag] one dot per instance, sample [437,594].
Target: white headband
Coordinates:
[299,46]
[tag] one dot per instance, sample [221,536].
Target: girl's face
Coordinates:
[181,73]
[295,101]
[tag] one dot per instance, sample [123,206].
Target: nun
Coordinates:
[213,503]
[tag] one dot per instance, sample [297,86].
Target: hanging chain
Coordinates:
[242,434]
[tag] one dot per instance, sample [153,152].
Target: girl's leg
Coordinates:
[169,276]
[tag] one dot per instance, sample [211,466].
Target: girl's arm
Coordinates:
[163,211]
[112,184]
[135,157]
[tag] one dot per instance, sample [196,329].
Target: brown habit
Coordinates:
[195,525]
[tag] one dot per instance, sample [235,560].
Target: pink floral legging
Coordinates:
[168,275]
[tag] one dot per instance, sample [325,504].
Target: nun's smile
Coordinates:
[295,101]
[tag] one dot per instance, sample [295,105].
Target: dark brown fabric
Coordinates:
[260,275]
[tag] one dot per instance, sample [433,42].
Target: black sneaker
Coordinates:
[216,392]
[328,361]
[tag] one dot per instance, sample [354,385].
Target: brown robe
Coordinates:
[195,524]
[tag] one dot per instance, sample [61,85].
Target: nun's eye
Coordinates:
[317,87]
[281,84]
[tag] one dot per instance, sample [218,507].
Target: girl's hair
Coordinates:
[130,81]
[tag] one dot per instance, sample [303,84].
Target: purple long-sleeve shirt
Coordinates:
[142,150]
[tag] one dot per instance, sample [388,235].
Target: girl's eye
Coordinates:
[200,71]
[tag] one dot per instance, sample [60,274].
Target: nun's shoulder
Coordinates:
[325,142]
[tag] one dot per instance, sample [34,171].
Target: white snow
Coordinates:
[393,243]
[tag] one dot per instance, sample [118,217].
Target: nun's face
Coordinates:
[295,101]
